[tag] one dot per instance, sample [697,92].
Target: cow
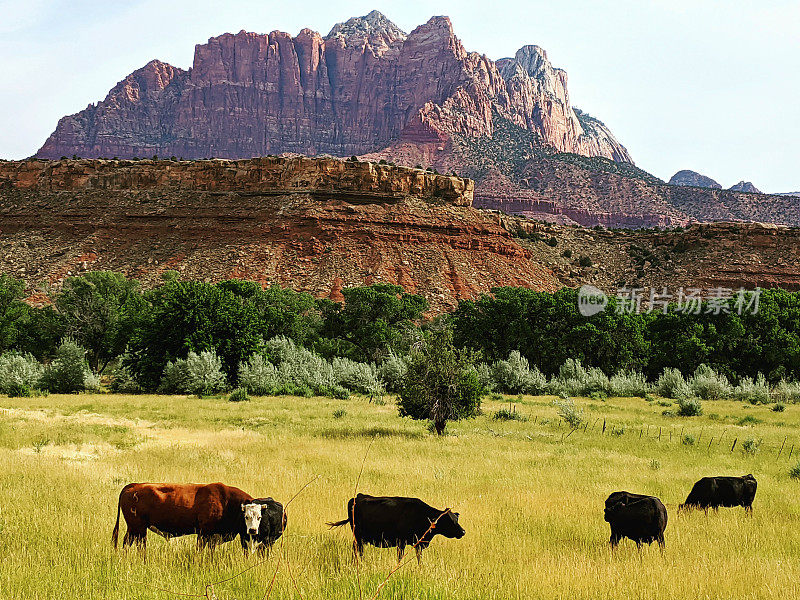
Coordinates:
[265,521]
[642,519]
[713,492]
[215,512]
[394,521]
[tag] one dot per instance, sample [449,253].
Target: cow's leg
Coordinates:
[614,541]
[419,554]
[749,509]
[263,550]
[358,549]
[401,550]
[661,544]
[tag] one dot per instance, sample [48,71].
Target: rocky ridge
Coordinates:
[364,86]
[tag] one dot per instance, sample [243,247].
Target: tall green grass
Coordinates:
[530,495]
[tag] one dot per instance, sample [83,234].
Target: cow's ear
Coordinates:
[243,507]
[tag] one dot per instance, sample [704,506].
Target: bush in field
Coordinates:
[569,413]
[300,370]
[751,446]
[689,407]
[441,383]
[259,376]
[753,391]
[124,382]
[68,372]
[505,414]
[629,384]
[779,407]
[794,472]
[357,377]
[205,373]
[786,392]
[238,395]
[514,376]
[576,380]
[707,384]
[671,384]
[392,371]
[175,379]
[484,373]
[19,374]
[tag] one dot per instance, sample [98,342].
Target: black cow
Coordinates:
[713,492]
[272,524]
[389,521]
[642,519]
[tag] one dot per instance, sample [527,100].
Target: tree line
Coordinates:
[116,321]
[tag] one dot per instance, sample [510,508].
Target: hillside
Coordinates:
[322,224]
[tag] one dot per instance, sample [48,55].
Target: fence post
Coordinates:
[659,433]
[699,437]
[781,450]
[790,452]
[734,444]
[709,444]
[604,427]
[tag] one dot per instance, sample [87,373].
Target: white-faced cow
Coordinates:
[713,492]
[642,519]
[393,521]
[265,519]
[215,512]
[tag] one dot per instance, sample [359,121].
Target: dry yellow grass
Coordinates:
[530,498]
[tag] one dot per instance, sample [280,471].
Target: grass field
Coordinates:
[530,498]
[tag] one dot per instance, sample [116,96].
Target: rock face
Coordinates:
[691,178]
[364,86]
[745,186]
[310,224]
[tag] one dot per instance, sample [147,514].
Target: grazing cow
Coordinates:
[642,519]
[389,521]
[215,512]
[713,492]
[265,520]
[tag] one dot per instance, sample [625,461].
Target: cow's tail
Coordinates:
[115,531]
[332,524]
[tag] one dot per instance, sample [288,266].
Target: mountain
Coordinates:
[694,179]
[745,186]
[363,86]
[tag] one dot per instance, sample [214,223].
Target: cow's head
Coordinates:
[252,518]
[448,526]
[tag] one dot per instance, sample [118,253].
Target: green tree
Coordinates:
[441,383]
[14,313]
[99,310]
[373,321]
[190,316]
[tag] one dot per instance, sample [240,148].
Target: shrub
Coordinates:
[794,472]
[505,414]
[575,380]
[199,374]
[259,376]
[629,384]
[19,374]
[567,253]
[779,407]
[786,392]
[392,371]
[514,376]
[598,395]
[552,242]
[69,371]
[751,446]
[664,403]
[585,261]
[671,384]
[339,413]
[689,407]
[707,384]
[357,377]
[300,367]
[754,392]
[239,395]
[688,439]
[484,373]
[124,382]
[569,413]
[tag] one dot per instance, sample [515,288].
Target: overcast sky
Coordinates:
[708,85]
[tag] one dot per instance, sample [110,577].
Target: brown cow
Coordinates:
[215,512]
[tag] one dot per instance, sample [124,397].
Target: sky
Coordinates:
[707,85]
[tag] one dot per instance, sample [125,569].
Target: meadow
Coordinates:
[530,495]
